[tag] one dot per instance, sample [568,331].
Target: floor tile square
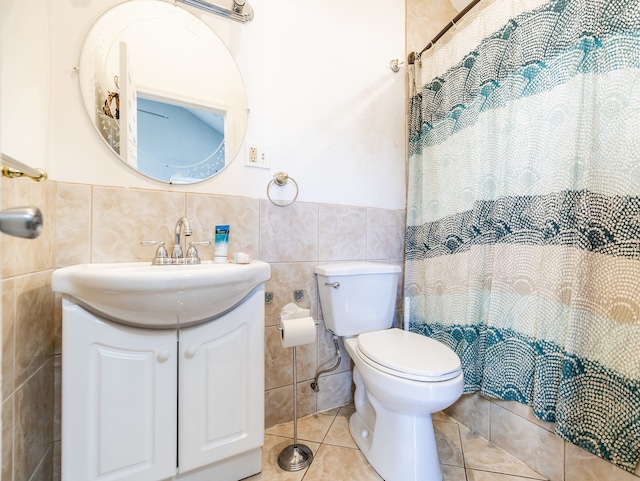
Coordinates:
[480,454]
[337,463]
[310,428]
[449,443]
[339,434]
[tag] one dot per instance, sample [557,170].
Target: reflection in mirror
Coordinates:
[178,134]
[163,91]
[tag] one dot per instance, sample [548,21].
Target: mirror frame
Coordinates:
[210,80]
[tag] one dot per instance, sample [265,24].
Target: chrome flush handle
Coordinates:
[335,285]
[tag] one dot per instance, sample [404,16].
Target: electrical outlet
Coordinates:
[253,154]
[258,156]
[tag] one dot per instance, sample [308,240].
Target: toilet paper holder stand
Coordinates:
[295,456]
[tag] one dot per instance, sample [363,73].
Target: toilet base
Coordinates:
[400,447]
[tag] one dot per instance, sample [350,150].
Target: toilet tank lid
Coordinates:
[351,268]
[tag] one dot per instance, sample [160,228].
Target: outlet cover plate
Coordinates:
[258,155]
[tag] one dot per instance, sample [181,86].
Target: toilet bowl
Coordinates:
[392,423]
[401,377]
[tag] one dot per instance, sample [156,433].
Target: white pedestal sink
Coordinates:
[164,296]
[162,371]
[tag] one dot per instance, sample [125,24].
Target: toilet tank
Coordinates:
[357,297]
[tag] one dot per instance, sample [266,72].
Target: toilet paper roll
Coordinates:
[296,332]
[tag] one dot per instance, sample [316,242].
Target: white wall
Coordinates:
[25,36]
[320,94]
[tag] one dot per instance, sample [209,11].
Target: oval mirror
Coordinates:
[163,91]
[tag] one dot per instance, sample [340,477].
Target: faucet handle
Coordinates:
[161,253]
[192,252]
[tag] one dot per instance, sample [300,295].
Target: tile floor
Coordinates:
[464,456]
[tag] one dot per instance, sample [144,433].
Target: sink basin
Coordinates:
[165,296]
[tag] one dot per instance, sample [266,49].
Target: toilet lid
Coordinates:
[409,355]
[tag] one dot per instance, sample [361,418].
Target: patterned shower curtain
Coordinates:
[523,218]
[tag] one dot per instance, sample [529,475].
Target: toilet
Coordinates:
[401,377]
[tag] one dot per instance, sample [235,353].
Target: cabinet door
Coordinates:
[221,387]
[118,400]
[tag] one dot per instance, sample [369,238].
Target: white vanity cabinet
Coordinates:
[221,394]
[119,400]
[157,404]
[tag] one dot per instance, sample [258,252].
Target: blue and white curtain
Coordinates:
[523,220]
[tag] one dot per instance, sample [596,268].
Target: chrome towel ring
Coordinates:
[280,179]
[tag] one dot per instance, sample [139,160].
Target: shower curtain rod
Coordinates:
[412,56]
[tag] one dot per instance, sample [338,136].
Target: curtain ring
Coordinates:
[280,179]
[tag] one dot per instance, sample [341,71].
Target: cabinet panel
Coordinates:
[119,400]
[221,393]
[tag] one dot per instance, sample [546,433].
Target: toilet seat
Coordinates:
[408,355]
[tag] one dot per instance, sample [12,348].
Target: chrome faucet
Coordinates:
[182,224]
[183,228]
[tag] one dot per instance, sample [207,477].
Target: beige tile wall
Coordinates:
[28,337]
[513,427]
[425,18]
[101,224]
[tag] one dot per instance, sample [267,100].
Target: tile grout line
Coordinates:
[464,459]
[519,476]
[329,428]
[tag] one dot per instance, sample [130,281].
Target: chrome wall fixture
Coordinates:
[314,385]
[240,11]
[25,222]
[395,65]
[280,179]
[12,168]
